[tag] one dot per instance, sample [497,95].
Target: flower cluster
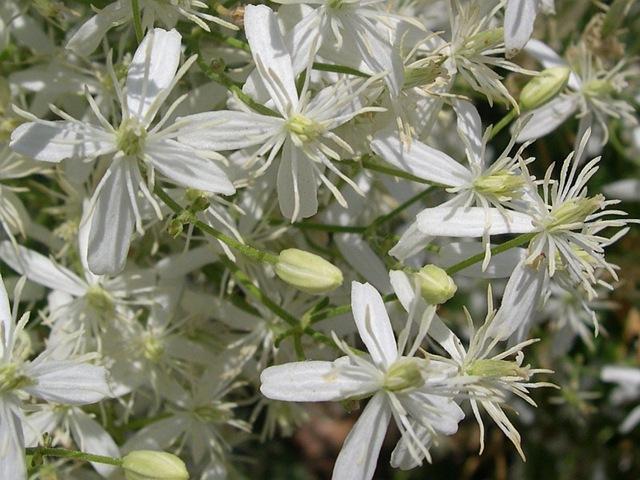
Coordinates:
[219,210]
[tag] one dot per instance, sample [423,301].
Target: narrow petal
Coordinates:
[271,56]
[519,17]
[68,382]
[359,455]
[12,461]
[373,324]
[187,169]
[520,302]
[111,223]
[313,381]
[152,71]
[227,130]
[357,252]
[91,437]
[412,241]
[472,222]
[55,141]
[297,184]
[469,128]
[547,118]
[41,269]
[90,34]
[420,160]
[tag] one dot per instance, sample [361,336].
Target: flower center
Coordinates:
[152,348]
[482,41]
[11,378]
[503,185]
[303,129]
[598,88]
[216,412]
[130,137]
[403,375]
[573,213]
[99,299]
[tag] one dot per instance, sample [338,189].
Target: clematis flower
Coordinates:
[302,128]
[134,146]
[66,381]
[415,393]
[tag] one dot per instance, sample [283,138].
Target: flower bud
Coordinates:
[544,87]
[435,285]
[307,271]
[153,465]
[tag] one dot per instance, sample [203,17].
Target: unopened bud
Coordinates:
[153,465]
[435,285]
[307,271]
[543,87]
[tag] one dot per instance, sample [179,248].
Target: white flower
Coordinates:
[302,129]
[591,94]
[47,378]
[415,393]
[134,143]
[493,188]
[628,388]
[91,33]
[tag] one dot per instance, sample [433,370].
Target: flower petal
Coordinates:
[472,222]
[40,269]
[373,324]
[359,455]
[548,117]
[519,17]
[90,34]
[151,72]
[67,382]
[272,58]
[313,381]
[227,130]
[54,141]
[111,222]
[420,160]
[187,169]
[91,437]
[12,461]
[297,184]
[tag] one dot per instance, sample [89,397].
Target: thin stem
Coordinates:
[246,250]
[503,247]
[75,454]
[326,67]
[328,227]
[137,22]
[399,209]
[506,120]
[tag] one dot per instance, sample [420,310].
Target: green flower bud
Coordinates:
[544,87]
[152,465]
[435,285]
[403,375]
[307,271]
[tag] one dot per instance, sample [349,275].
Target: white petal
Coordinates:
[472,222]
[152,71]
[91,437]
[37,423]
[41,269]
[469,128]
[187,169]
[373,324]
[301,40]
[548,117]
[297,184]
[5,317]
[622,375]
[420,160]
[412,241]
[90,34]
[111,223]
[359,455]
[12,461]
[519,17]
[630,421]
[313,381]
[68,382]
[520,302]
[227,130]
[271,56]
[55,141]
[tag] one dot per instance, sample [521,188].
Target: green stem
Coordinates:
[328,227]
[326,67]
[246,250]
[137,22]
[75,454]
[385,218]
[506,120]
[503,247]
